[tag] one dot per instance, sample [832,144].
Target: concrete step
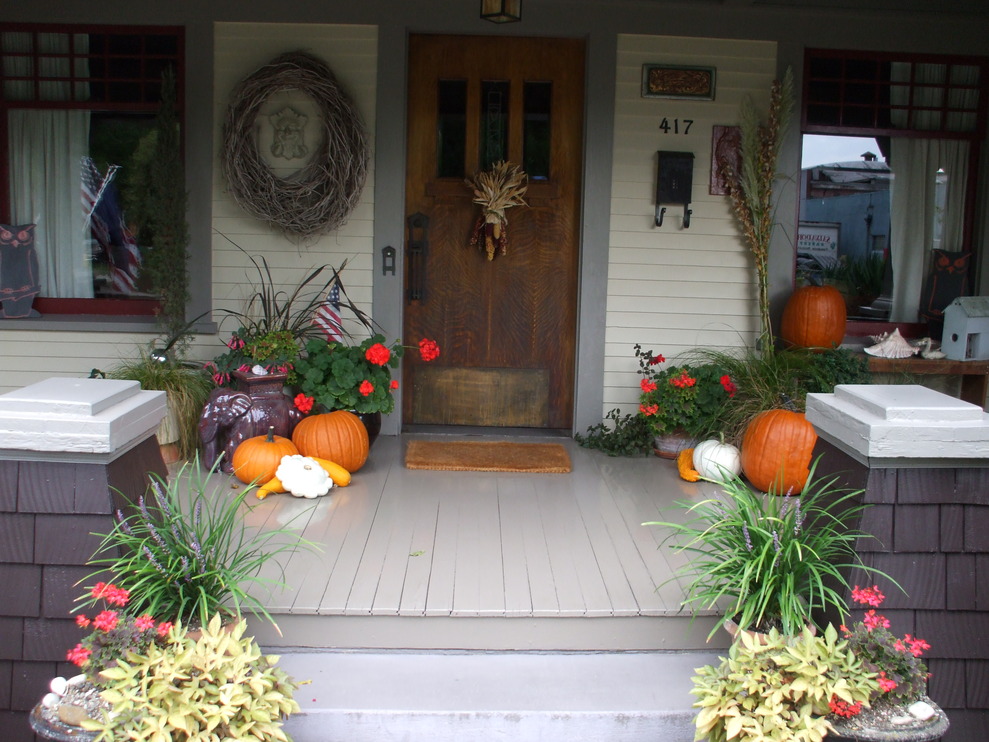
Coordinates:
[413,696]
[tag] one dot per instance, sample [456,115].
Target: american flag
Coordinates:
[105,222]
[327,315]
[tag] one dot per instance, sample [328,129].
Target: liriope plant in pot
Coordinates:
[767,560]
[185,554]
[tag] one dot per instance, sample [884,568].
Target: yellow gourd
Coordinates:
[685,465]
[340,476]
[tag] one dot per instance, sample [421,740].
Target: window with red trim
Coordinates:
[77,113]
[889,215]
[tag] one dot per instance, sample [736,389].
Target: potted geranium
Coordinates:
[144,679]
[184,553]
[358,378]
[680,402]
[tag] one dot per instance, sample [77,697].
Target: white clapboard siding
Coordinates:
[241,49]
[672,289]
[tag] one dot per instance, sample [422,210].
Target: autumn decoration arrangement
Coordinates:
[496,190]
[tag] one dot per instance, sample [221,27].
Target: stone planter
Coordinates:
[868,727]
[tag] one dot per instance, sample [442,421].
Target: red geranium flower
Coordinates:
[366,388]
[144,622]
[377,354]
[429,350]
[394,384]
[647,386]
[303,403]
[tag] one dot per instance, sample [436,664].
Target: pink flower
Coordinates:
[78,655]
[885,684]
[868,596]
[164,627]
[82,621]
[106,621]
[917,646]
[235,343]
[145,622]
[873,619]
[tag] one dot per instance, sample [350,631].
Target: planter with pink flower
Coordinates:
[900,710]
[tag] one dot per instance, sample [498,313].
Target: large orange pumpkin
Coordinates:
[338,436]
[257,458]
[814,317]
[777,447]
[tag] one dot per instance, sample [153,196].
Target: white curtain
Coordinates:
[915,164]
[46,148]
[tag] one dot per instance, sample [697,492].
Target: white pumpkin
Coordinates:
[717,460]
[303,476]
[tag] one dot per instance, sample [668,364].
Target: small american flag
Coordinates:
[327,315]
[105,222]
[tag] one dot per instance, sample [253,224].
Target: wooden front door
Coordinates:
[506,326]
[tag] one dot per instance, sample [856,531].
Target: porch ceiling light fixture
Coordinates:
[501,11]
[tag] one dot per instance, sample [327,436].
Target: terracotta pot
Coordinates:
[669,445]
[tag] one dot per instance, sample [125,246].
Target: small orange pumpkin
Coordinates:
[777,447]
[257,458]
[814,317]
[338,436]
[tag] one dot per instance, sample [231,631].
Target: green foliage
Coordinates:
[217,687]
[276,324]
[685,397]
[773,379]
[768,558]
[342,377]
[187,387]
[860,277]
[186,553]
[165,262]
[629,435]
[779,688]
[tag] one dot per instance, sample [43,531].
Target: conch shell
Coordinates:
[891,345]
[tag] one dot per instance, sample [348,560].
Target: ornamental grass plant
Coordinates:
[768,559]
[185,553]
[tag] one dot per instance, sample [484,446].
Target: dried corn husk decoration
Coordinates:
[496,190]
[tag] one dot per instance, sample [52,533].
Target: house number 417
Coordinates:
[675,126]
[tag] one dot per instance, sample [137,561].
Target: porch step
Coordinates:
[437,696]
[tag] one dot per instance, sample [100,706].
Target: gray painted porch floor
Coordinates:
[490,561]
[483,606]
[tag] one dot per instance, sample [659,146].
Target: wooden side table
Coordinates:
[974,374]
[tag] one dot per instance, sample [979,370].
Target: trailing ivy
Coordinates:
[629,436]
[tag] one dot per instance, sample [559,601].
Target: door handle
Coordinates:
[417,246]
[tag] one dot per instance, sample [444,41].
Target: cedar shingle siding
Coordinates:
[932,536]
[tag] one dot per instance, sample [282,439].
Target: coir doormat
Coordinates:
[535,458]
